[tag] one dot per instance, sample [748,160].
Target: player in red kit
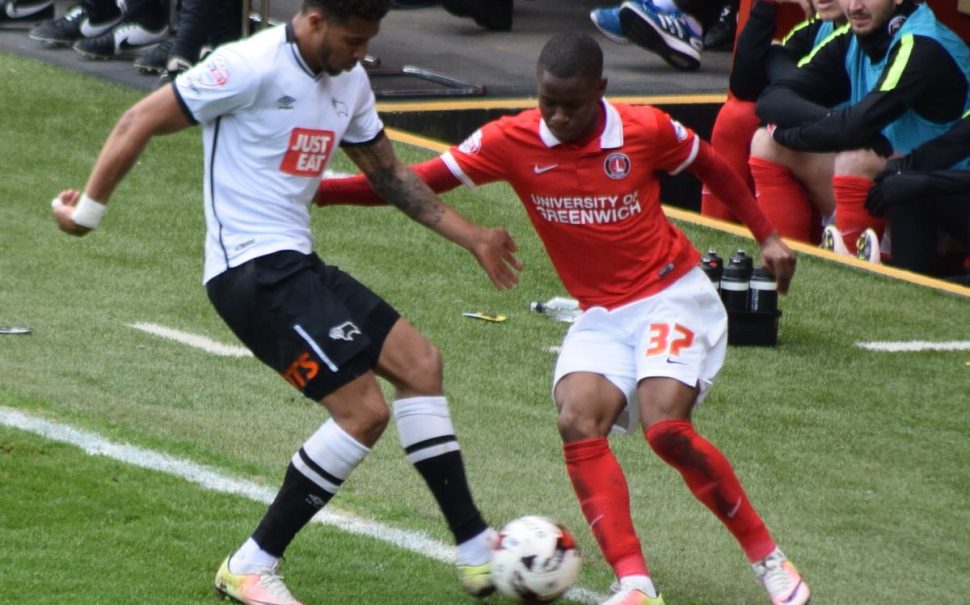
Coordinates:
[653,332]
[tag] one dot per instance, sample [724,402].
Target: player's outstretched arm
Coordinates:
[728,186]
[77,213]
[356,190]
[494,249]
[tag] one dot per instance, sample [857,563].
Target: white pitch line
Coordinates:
[915,345]
[193,340]
[213,480]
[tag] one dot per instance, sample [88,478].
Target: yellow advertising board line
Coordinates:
[487,104]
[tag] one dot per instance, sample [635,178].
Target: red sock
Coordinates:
[710,478]
[731,136]
[605,499]
[784,201]
[851,216]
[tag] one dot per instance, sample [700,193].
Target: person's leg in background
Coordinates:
[734,126]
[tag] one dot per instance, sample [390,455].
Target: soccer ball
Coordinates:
[536,560]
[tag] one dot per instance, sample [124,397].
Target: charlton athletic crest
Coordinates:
[617,166]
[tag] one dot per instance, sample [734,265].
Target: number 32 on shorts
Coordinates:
[667,339]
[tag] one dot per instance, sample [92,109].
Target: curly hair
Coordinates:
[341,10]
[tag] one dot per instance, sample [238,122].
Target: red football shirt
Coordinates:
[596,206]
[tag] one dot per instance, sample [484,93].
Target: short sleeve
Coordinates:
[481,157]
[675,145]
[223,83]
[365,124]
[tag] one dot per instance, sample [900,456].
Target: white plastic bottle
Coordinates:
[558,307]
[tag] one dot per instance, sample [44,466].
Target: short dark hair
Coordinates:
[341,10]
[571,54]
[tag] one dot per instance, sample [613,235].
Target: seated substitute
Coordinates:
[899,78]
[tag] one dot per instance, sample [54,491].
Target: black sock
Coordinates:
[295,504]
[445,476]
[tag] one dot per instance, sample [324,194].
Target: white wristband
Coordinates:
[88,212]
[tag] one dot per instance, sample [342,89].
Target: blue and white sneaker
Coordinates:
[669,33]
[607,21]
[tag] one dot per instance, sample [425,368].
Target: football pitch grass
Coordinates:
[855,458]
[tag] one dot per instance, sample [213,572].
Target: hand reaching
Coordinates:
[494,250]
[779,259]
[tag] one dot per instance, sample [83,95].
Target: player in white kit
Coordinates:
[272,109]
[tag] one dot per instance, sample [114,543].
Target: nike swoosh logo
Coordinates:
[126,45]
[19,13]
[676,362]
[90,30]
[540,169]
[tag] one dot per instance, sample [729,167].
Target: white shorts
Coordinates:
[678,333]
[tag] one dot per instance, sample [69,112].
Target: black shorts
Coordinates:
[314,324]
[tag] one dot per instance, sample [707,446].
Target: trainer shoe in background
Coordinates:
[74,25]
[607,21]
[264,587]
[22,11]
[782,581]
[720,36]
[154,60]
[125,40]
[833,241]
[669,33]
[173,68]
[867,247]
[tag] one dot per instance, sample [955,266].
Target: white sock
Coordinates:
[425,420]
[250,558]
[642,583]
[477,550]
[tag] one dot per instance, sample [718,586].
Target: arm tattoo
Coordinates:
[409,194]
[395,183]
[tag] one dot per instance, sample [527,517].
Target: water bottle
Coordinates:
[735,281]
[559,307]
[713,266]
[763,291]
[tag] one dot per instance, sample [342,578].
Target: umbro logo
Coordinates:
[285,102]
[540,169]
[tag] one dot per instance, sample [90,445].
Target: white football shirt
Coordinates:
[269,127]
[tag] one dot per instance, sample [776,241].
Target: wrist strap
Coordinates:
[88,212]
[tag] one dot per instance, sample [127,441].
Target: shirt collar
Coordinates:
[611,138]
